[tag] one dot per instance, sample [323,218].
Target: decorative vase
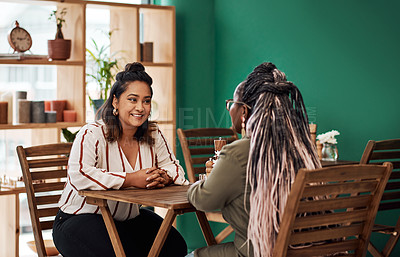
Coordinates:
[59,49]
[329,152]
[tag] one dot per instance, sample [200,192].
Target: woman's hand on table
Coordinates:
[158,179]
[149,178]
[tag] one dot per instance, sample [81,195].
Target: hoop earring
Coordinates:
[243,127]
[115,112]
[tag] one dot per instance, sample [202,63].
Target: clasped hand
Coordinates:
[149,178]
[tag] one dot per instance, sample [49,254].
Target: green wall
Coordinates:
[194,58]
[195,54]
[343,55]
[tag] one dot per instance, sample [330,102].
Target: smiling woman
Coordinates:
[123,149]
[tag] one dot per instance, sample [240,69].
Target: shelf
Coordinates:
[41,125]
[154,64]
[91,3]
[41,62]
[163,121]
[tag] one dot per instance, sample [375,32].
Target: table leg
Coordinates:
[17,228]
[112,231]
[162,233]
[110,225]
[205,228]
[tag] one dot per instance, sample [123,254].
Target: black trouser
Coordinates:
[86,235]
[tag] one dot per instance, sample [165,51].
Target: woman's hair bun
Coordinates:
[135,66]
[133,72]
[266,67]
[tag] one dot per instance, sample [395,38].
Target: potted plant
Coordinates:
[59,48]
[101,70]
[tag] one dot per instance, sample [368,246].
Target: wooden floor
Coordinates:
[24,250]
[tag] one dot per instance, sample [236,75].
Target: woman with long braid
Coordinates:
[251,181]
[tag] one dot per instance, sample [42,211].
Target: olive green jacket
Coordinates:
[224,190]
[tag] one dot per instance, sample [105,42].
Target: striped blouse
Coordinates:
[97,164]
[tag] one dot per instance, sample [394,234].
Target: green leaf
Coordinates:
[104,67]
[68,135]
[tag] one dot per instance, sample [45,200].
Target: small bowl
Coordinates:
[51,250]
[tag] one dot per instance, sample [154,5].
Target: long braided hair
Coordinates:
[280,145]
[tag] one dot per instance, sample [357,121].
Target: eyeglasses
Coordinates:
[230,102]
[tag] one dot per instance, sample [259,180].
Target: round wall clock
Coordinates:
[20,39]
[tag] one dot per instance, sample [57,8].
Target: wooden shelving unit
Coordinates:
[155,23]
[58,125]
[128,21]
[70,73]
[40,62]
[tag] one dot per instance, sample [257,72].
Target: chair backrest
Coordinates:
[340,203]
[198,146]
[44,169]
[377,152]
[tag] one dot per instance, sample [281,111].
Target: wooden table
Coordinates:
[173,198]
[10,227]
[337,163]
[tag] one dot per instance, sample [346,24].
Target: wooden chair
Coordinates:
[44,169]
[376,152]
[197,147]
[339,217]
